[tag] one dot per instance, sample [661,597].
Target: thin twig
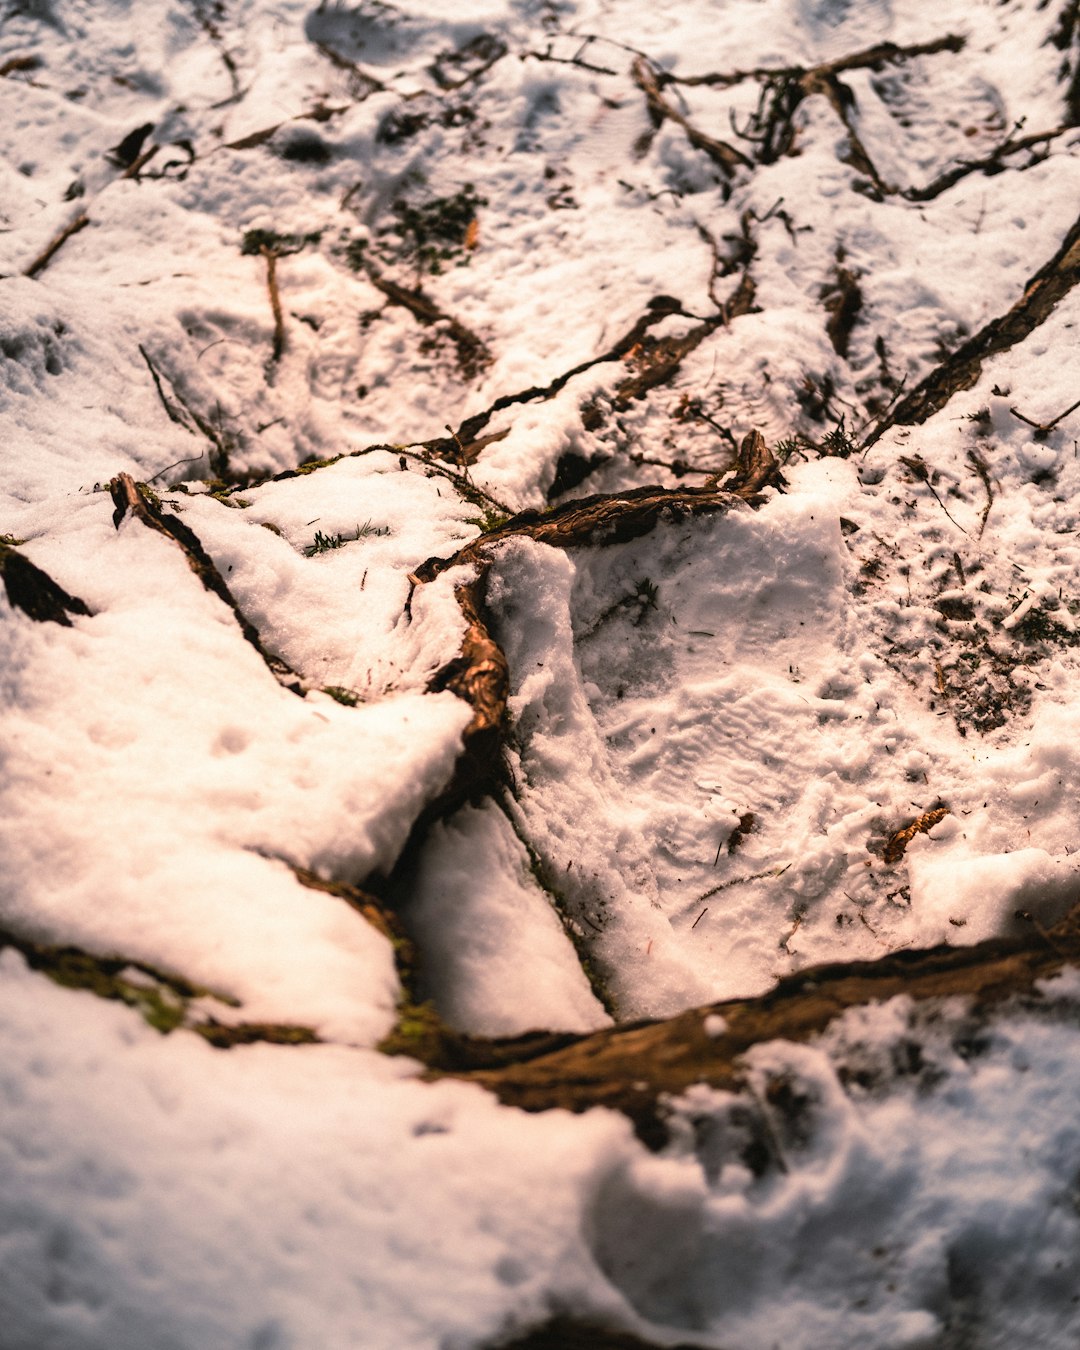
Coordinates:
[271,257]
[219,463]
[921,471]
[982,469]
[46,255]
[739,881]
[1045,428]
[172,413]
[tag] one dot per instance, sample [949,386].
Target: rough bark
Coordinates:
[34,592]
[1050,284]
[129,496]
[633,1068]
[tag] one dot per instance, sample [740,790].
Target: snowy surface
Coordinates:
[713,732]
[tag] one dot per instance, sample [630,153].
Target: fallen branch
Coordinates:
[1043,429]
[920,471]
[275,301]
[575,60]
[982,469]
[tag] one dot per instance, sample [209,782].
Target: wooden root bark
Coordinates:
[129,496]
[479,674]
[1050,284]
[635,1068]
[34,592]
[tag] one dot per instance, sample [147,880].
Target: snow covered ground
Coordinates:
[455,262]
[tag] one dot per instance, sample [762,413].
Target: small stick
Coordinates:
[699,918]
[1045,428]
[921,472]
[980,466]
[173,415]
[45,257]
[275,300]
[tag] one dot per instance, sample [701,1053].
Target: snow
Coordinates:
[495,953]
[172,1195]
[713,730]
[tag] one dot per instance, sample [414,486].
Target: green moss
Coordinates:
[310,465]
[271,241]
[223,1036]
[348,697]
[419,1032]
[490,520]
[161,999]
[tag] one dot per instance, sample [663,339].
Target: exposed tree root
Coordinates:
[466,438]
[843,300]
[479,675]
[382,919]
[1050,284]
[634,1068]
[875,58]
[473,353]
[771,129]
[34,592]
[657,361]
[992,163]
[130,496]
[1064,39]
[162,999]
[608,518]
[726,158]
[755,469]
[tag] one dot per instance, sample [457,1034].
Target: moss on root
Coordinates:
[163,1000]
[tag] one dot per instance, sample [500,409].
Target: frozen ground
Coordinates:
[280,781]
